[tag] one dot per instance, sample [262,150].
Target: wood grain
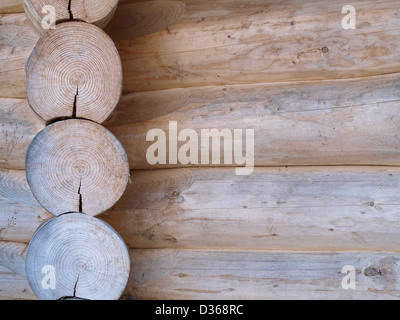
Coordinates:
[12,256]
[14,286]
[259,275]
[17,40]
[74,71]
[138,19]
[309,208]
[227,42]
[89,258]
[11,6]
[19,125]
[20,213]
[76,166]
[90,11]
[349,208]
[172,274]
[340,122]
[346,122]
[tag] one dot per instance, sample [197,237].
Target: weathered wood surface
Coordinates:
[12,256]
[13,282]
[90,260]
[20,213]
[335,208]
[315,208]
[235,43]
[18,126]
[14,286]
[17,40]
[341,122]
[94,12]
[308,209]
[230,42]
[11,6]
[204,275]
[329,123]
[76,166]
[217,274]
[138,19]
[74,71]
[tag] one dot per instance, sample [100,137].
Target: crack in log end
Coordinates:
[76,284]
[71,16]
[80,197]
[74,105]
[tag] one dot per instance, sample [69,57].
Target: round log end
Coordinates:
[74,71]
[76,166]
[75,257]
[98,13]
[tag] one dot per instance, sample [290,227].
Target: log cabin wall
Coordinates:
[323,102]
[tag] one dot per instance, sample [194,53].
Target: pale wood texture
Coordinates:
[330,123]
[76,166]
[17,40]
[204,233]
[20,213]
[313,208]
[143,18]
[18,127]
[228,42]
[331,208]
[220,274]
[340,122]
[74,71]
[14,286]
[95,12]
[208,275]
[11,6]
[90,258]
[12,256]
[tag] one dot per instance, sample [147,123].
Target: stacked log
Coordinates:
[74,72]
[90,260]
[323,102]
[92,11]
[75,167]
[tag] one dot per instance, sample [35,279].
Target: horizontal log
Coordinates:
[17,37]
[329,123]
[17,40]
[12,256]
[244,275]
[226,42]
[260,275]
[92,12]
[141,18]
[11,6]
[20,213]
[19,126]
[340,122]
[310,208]
[14,286]
[320,208]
